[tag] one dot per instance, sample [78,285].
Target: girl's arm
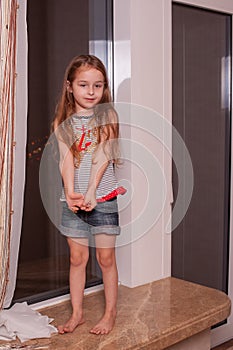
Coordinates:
[102,157]
[66,164]
[97,170]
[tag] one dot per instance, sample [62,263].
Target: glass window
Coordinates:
[57,31]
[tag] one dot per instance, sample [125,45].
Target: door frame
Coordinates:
[224,332]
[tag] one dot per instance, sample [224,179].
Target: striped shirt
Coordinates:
[85,140]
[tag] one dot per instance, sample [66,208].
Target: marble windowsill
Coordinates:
[153,316]
[161,314]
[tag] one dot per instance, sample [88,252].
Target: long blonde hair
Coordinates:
[105,116]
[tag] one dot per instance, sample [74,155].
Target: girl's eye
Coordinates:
[82,85]
[99,86]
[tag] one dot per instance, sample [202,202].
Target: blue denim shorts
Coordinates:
[103,218]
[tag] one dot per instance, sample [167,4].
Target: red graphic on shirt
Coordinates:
[80,146]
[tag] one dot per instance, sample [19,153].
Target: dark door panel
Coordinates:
[202,115]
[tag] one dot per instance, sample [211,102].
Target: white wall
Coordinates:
[142,36]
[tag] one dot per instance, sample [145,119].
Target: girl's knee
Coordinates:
[106,259]
[79,259]
[79,252]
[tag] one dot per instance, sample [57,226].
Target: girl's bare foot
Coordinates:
[71,324]
[105,325]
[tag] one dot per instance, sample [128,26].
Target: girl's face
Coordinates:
[87,89]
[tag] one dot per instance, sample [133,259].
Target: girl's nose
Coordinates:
[91,90]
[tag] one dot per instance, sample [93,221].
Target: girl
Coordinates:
[86,127]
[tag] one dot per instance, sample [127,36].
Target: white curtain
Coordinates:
[7,84]
[13,185]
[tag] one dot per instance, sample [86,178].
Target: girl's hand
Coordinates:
[89,202]
[74,201]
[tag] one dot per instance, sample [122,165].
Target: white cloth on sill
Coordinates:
[23,322]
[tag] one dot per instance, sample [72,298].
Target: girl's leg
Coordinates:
[79,254]
[105,253]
